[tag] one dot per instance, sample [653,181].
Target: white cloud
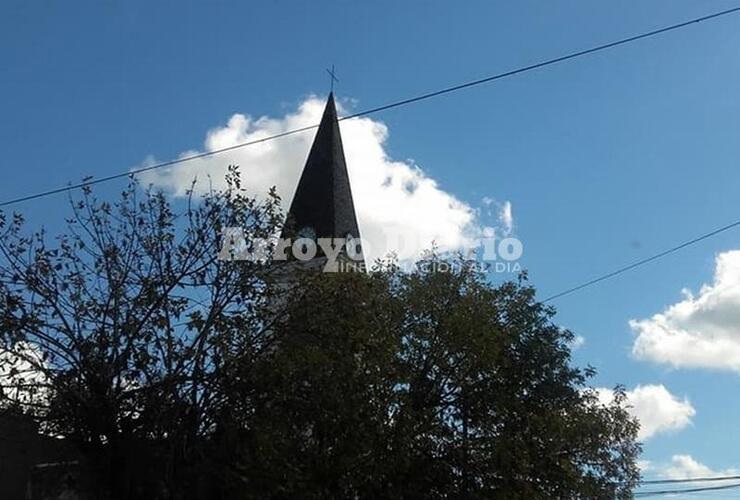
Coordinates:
[656,409]
[506,217]
[644,466]
[577,342]
[686,467]
[701,331]
[22,379]
[502,212]
[399,207]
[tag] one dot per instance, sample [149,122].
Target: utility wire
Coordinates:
[131,173]
[691,480]
[454,88]
[548,62]
[642,262]
[687,490]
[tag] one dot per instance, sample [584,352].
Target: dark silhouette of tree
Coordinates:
[112,332]
[179,375]
[425,385]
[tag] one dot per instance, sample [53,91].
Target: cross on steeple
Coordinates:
[333,76]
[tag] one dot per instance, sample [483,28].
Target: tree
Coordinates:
[426,385]
[179,375]
[120,323]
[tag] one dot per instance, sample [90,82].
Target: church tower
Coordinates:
[322,206]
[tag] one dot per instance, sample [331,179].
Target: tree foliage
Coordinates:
[127,336]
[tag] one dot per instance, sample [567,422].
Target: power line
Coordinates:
[131,173]
[421,97]
[641,262]
[687,490]
[691,480]
[548,62]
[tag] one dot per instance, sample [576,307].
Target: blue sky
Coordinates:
[605,159]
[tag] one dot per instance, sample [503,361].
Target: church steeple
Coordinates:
[322,206]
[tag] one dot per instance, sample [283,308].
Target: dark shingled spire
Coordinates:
[322,206]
